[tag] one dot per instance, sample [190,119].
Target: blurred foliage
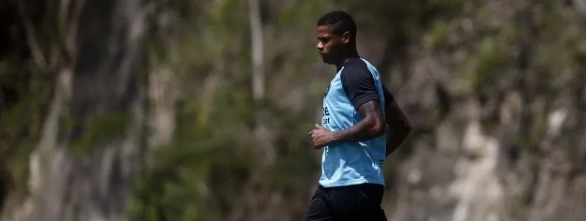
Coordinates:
[213,160]
[25,91]
[204,173]
[488,65]
[216,163]
[105,128]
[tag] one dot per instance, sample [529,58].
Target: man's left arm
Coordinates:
[398,126]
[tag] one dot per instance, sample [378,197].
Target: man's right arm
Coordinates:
[398,126]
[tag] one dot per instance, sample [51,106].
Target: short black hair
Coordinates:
[340,22]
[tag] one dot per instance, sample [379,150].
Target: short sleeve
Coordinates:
[359,85]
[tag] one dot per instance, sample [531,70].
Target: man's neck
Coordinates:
[345,58]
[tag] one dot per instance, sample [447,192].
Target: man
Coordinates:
[352,129]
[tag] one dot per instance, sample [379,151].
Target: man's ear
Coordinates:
[346,36]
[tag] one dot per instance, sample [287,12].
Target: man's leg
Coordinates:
[318,209]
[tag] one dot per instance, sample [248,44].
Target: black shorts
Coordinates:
[356,202]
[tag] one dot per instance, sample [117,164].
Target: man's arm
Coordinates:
[371,126]
[398,126]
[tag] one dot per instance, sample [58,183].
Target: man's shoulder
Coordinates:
[356,63]
[355,67]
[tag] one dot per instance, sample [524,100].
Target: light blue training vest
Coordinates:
[350,163]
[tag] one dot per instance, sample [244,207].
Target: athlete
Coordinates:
[357,112]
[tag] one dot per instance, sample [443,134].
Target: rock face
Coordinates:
[513,147]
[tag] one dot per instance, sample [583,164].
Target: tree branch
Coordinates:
[31,36]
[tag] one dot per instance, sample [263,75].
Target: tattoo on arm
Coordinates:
[371,126]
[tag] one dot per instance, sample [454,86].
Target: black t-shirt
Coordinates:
[359,84]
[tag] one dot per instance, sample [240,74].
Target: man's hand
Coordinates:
[371,126]
[320,136]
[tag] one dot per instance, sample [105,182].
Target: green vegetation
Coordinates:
[217,163]
[208,169]
[25,90]
[105,128]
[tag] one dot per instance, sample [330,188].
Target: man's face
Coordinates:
[329,44]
